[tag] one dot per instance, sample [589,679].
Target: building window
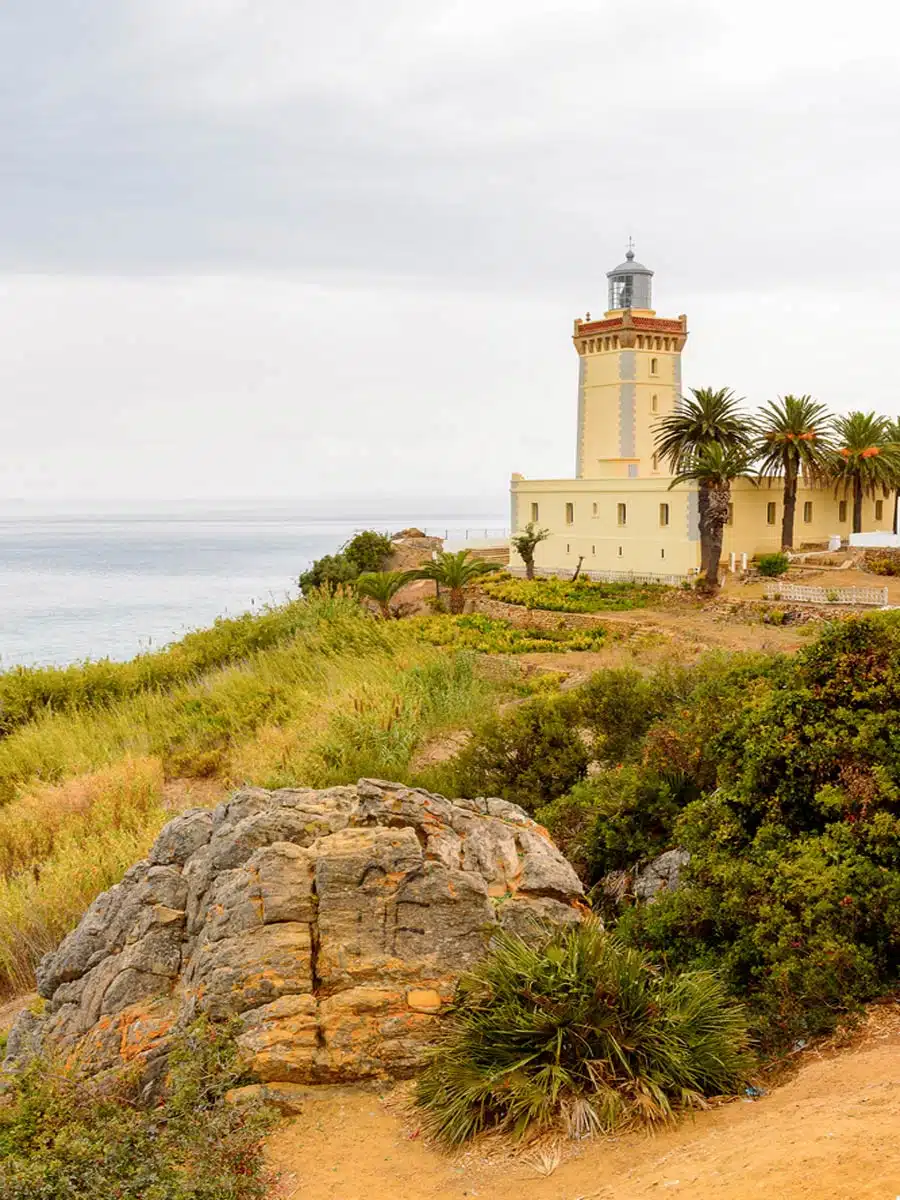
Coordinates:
[664,514]
[770,513]
[807,512]
[655,461]
[620,552]
[654,403]
[662,554]
[654,366]
[879,509]
[570,513]
[730,518]
[534,512]
[595,509]
[640,342]
[623,515]
[842,510]
[568,548]
[593,549]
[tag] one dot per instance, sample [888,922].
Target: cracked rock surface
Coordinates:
[332,924]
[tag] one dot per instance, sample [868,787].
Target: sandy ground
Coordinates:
[832,1132]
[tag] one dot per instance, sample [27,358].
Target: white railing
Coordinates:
[822,595]
[605,576]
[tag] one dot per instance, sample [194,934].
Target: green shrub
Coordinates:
[64,1135]
[771,565]
[793,889]
[365,553]
[368,551]
[614,820]
[529,755]
[581,1031]
[582,596]
[883,565]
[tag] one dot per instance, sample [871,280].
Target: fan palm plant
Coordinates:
[865,460]
[714,468]
[706,419]
[793,438]
[382,587]
[455,571]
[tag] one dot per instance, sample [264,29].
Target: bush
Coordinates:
[530,755]
[771,565]
[366,553]
[883,565]
[793,888]
[614,820]
[582,1031]
[63,1134]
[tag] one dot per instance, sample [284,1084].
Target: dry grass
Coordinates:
[95,827]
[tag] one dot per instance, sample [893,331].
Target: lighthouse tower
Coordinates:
[629,375]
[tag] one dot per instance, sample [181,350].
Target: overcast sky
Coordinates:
[259,248]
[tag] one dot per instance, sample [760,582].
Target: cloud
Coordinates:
[277,246]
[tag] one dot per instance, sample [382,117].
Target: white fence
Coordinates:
[820,595]
[604,576]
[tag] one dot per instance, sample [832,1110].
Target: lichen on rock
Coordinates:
[333,925]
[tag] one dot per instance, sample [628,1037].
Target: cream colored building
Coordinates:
[619,514]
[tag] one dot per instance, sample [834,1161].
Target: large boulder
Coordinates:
[333,925]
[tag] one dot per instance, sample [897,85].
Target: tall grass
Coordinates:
[28,692]
[73,842]
[81,790]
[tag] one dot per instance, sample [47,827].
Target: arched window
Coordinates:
[879,510]
[654,366]
[570,513]
[655,462]
[654,403]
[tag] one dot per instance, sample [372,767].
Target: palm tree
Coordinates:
[455,572]
[714,467]
[865,459]
[707,418]
[893,429]
[793,435]
[382,587]
[525,544]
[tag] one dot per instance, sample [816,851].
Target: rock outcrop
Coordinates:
[332,924]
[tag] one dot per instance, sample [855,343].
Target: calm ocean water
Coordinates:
[110,585]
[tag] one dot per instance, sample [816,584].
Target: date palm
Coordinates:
[382,587]
[865,459]
[714,468]
[793,439]
[707,418]
[893,430]
[455,571]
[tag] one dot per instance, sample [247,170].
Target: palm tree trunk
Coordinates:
[715,517]
[703,509]
[857,504]
[896,508]
[790,508]
[457,600]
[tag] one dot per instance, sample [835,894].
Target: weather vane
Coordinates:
[631,243]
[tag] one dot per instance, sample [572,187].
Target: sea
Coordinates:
[112,583]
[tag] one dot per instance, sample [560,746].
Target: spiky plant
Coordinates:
[526,542]
[793,438]
[865,459]
[455,571]
[714,468]
[583,1031]
[382,587]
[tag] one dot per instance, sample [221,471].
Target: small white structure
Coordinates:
[881,538]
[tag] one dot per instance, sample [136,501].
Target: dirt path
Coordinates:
[830,1133]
